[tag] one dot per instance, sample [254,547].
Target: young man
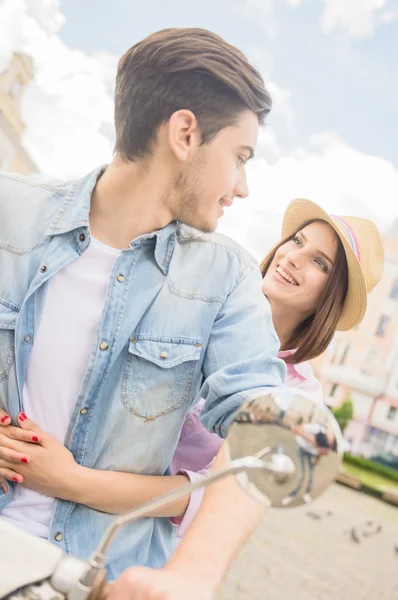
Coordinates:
[120,314]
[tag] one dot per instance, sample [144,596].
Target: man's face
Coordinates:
[209,182]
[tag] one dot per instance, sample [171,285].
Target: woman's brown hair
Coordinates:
[314,334]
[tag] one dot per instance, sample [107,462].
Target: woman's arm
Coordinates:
[51,469]
[303,434]
[114,492]
[194,455]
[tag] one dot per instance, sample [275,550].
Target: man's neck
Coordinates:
[129,201]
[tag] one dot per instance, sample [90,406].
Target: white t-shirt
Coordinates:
[74,302]
[311,429]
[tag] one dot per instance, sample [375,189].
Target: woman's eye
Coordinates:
[297,241]
[321,263]
[241,160]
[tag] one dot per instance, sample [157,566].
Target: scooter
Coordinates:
[263,443]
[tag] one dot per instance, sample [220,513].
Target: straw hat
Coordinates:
[363,249]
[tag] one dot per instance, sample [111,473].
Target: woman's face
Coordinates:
[299,271]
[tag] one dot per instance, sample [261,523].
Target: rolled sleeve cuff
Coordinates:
[195,500]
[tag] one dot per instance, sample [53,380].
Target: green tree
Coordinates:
[344,413]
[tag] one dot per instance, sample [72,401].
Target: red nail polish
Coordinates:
[35,438]
[24,460]
[22,417]
[4,419]
[15,479]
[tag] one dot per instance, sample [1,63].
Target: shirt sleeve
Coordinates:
[241,357]
[194,502]
[196,447]
[307,383]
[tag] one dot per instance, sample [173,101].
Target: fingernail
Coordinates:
[22,417]
[24,459]
[4,419]
[35,438]
[15,479]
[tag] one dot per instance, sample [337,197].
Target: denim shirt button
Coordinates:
[58,537]
[104,346]
[43,268]
[164,354]
[84,411]
[120,278]
[82,237]
[27,338]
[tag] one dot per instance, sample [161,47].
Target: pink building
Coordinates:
[363,363]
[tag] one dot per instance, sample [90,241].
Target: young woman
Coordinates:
[316,279]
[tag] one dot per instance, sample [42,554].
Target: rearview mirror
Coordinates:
[288,430]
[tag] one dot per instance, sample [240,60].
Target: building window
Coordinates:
[394,290]
[344,355]
[392,411]
[381,328]
[333,390]
[368,365]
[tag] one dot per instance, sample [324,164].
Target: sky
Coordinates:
[330,66]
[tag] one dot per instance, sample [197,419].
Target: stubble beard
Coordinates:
[188,190]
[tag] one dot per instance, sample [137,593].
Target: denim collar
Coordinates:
[74,214]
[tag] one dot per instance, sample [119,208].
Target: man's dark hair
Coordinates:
[321,440]
[177,69]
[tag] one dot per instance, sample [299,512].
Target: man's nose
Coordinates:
[241,189]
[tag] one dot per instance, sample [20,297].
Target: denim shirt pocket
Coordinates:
[158,374]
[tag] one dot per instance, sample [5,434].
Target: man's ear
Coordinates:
[183,134]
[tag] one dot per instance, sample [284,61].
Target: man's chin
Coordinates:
[203,226]
[208,228]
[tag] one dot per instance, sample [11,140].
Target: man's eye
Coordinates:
[242,160]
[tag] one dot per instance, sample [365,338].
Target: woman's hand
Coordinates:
[36,459]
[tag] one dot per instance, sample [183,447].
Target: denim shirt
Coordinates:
[188,320]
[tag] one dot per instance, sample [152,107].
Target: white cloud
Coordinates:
[359,18]
[328,171]
[281,119]
[47,14]
[263,11]
[281,100]
[68,108]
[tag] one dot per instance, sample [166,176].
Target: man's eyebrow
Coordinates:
[248,149]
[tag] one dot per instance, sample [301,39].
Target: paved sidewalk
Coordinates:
[307,554]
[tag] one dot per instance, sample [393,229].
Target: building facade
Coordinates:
[13,82]
[362,364]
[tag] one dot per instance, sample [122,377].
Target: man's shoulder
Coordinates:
[36,182]
[216,242]
[28,205]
